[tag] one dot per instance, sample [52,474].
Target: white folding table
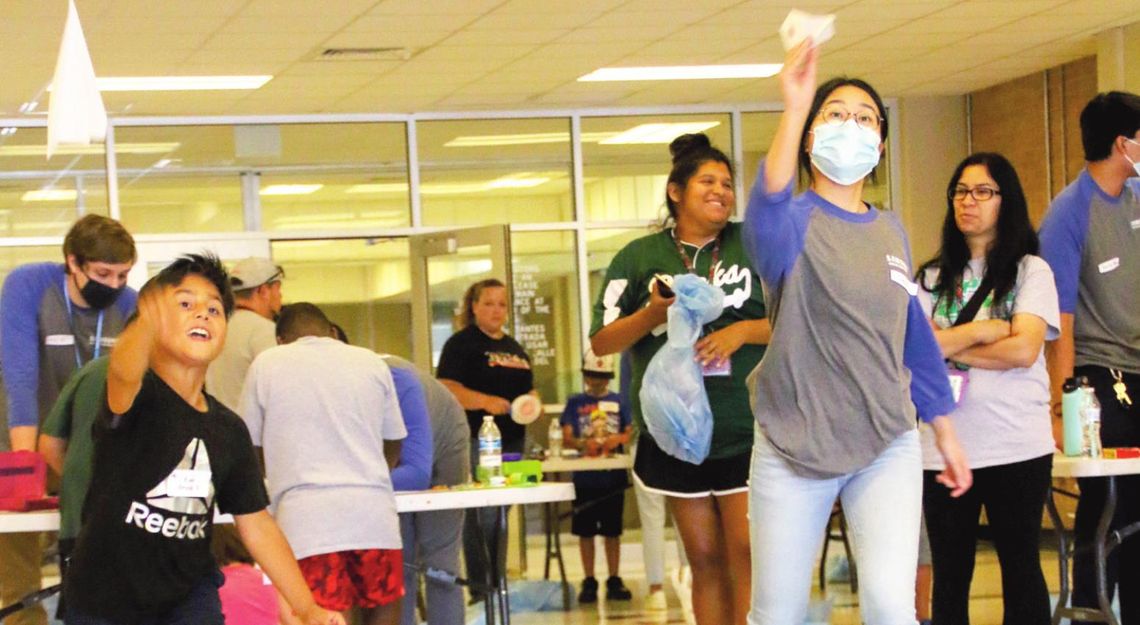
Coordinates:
[1104,541]
[416,501]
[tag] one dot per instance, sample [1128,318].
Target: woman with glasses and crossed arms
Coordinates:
[851,363]
[993,304]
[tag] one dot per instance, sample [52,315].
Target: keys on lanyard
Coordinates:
[1120,388]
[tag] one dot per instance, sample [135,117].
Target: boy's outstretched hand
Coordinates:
[316,615]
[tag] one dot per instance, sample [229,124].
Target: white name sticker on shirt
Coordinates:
[59,339]
[1109,265]
[608,406]
[188,483]
[900,279]
[1136,224]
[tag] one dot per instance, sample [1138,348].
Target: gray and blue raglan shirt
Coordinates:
[41,344]
[1091,240]
[852,358]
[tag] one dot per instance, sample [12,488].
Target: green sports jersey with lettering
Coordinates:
[626,290]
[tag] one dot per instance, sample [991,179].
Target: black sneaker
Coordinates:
[589,592]
[616,590]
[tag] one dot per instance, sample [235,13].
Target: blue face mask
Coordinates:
[845,153]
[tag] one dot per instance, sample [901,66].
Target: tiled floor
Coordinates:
[985,603]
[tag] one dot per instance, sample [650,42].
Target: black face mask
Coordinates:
[99,295]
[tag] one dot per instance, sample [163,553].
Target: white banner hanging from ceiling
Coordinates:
[76,115]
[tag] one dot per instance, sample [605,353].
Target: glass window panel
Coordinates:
[478,172]
[12,257]
[361,170]
[625,180]
[40,197]
[546,316]
[179,179]
[758,130]
[361,284]
[601,247]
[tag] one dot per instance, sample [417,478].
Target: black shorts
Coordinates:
[597,512]
[658,472]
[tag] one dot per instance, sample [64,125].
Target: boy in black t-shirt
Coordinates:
[164,451]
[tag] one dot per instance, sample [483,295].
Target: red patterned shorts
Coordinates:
[364,578]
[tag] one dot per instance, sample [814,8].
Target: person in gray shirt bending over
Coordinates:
[433,539]
[851,363]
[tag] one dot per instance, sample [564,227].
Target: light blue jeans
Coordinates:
[789,513]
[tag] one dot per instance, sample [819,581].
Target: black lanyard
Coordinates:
[689,266]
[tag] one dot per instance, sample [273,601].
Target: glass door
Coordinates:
[443,265]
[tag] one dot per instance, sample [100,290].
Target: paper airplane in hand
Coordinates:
[800,25]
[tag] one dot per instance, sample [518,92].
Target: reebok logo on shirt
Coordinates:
[171,496]
[155,523]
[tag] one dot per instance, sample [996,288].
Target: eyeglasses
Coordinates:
[980,194]
[836,114]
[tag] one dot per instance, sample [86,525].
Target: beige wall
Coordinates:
[1034,121]
[932,141]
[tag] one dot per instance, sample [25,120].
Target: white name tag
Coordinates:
[1136,224]
[608,406]
[1109,265]
[188,483]
[59,339]
[900,279]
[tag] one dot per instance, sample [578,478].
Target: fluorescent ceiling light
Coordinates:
[645,133]
[49,195]
[481,141]
[179,83]
[379,187]
[682,72]
[657,133]
[120,148]
[518,181]
[290,189]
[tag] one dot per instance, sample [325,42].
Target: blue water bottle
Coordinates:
[1072,397]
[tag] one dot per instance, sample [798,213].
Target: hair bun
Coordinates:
[686,144]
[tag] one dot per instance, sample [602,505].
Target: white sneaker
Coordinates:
[655,601]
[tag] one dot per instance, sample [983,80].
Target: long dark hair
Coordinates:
[689,152]
[1015,235]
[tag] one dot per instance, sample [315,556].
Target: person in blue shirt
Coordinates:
[54,318]
[1091,239]
[596,423]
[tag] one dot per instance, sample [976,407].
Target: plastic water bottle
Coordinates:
[1090,422]
[1072,398]
[555,436]
[490,470]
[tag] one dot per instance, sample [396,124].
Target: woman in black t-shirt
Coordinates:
[486,369]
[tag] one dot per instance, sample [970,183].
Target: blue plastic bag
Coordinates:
[673,399]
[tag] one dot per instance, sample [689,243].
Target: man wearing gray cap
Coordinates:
[256,283]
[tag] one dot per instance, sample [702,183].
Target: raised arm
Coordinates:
[131,357]
[797,83]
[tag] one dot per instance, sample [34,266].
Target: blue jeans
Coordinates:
[788,516]
[201,607]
